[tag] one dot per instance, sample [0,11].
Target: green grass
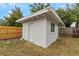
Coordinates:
[63,46]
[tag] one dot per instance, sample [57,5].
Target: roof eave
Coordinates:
[56,15]
[26,18]
[39,13]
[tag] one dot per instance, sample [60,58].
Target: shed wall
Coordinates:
[41,32]
[25,31]
[51,36]
[38,31]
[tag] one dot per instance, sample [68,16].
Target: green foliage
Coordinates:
[11,19]
[70,14]
[38,6]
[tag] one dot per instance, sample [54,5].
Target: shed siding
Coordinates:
[38,31]
[25,31]
[51,36]
[41,32]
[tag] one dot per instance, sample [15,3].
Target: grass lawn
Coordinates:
[63,46]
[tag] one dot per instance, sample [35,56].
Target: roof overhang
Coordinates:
[41,12]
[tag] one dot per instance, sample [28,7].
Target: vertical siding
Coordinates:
[41,32]
[25,31]
[38,31]
[51,36]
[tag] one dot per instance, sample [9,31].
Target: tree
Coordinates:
[2,22]
[13,16]
[67,15]
[76,13]
[38,6]
[61,13]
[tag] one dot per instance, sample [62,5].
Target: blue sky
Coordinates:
[6,8]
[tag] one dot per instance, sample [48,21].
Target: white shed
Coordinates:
[73,24]
[41,28]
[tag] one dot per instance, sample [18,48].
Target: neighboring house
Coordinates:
[75,25]
[75,29]
[41,28]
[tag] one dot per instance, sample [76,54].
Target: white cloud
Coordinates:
[3,5]
[10,12]
[12,4]
[59,5]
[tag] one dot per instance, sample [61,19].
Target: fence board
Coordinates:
[7,32]
[69,32]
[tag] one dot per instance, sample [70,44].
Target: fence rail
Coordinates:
[7,32]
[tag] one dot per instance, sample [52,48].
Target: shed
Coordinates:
[41,28]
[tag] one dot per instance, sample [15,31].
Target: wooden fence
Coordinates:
[69,32]
[7,32]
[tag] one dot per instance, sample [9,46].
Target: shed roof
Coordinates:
[40,12]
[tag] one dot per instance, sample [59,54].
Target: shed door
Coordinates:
[30,36]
